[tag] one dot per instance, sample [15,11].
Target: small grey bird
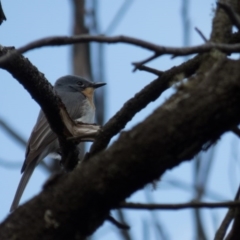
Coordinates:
[77,95]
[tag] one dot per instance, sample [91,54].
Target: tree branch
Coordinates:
[157,49]
[13,133]
[150,70]
[36,84]
[178,51]
[177,206]
[138,65]
[201,34]
[221,24]
[221,232]
[80,201]
[141,99]
[231,13]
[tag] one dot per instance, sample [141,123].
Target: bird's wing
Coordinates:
[42,135]
[40,138]
[38,147]
[22,184]
[38,142]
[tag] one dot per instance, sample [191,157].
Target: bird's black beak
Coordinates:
[98,84]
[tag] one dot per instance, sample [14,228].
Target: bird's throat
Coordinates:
[88,93]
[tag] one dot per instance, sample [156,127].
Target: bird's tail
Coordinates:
[22,184]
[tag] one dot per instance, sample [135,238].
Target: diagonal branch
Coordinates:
[173,133]
[221,232]
[35,83]
[150,70]
[149,94]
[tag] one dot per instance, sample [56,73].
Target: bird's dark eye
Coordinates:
[80,84]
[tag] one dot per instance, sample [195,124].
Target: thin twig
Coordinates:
[143,206]
[178,183]
[138,65]
[116,223]
[224,225]
[13,133]
[10,164]
[20,140]
[235,216]
[150,70]
[126,235]
[118,16]
[186,23]
[221,232]
[201,174]
[231,13]
[159,226]
[201,34]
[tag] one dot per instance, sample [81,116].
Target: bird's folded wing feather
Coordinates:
[42,135]
[40,138]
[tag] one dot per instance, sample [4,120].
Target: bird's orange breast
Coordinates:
[89,92]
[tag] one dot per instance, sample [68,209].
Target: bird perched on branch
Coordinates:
[77,95]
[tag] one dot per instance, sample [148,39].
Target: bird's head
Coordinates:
[72,83]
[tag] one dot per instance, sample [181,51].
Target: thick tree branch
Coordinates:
[231,13]
[79,202]
[221,24]
[221,31]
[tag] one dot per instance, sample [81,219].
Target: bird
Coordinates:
[77,95]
